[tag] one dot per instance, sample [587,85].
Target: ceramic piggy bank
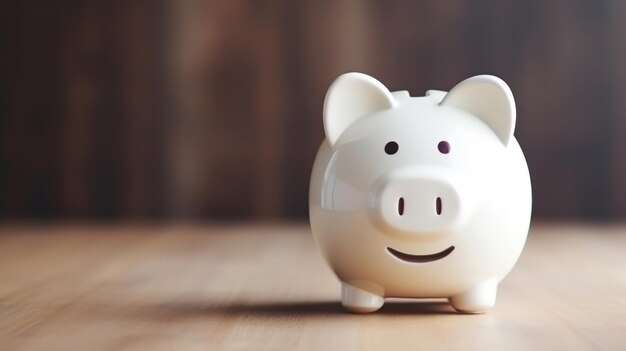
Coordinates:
[420,197]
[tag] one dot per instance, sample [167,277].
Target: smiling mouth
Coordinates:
[420,258]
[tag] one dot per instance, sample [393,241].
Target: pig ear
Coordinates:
[350,97]
[490,99]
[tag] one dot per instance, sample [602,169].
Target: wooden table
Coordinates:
[265,287]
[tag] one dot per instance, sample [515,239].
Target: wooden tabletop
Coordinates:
[265,287]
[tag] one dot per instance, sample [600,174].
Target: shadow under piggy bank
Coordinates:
[332,307]
[189,310]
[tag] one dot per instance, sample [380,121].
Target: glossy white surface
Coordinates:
[456,221]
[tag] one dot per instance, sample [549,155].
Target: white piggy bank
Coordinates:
[420,197]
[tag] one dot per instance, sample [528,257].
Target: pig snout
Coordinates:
[419,202]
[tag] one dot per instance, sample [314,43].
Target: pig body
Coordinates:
[420,197]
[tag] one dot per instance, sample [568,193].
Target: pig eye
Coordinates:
[391,148]
[444,147]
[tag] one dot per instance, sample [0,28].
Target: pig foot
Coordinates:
[478,299]
[358,300]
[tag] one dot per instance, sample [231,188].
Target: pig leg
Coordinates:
[358,300]
[478,299]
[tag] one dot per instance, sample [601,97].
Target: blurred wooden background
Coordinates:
[212,109]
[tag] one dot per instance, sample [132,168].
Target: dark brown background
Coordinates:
[212,109]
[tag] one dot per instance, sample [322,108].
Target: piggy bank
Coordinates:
[420,197]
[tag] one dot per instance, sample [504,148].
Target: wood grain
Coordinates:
[265,287]
[212,109]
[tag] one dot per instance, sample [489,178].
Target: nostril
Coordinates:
[401,206]
[438,205]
